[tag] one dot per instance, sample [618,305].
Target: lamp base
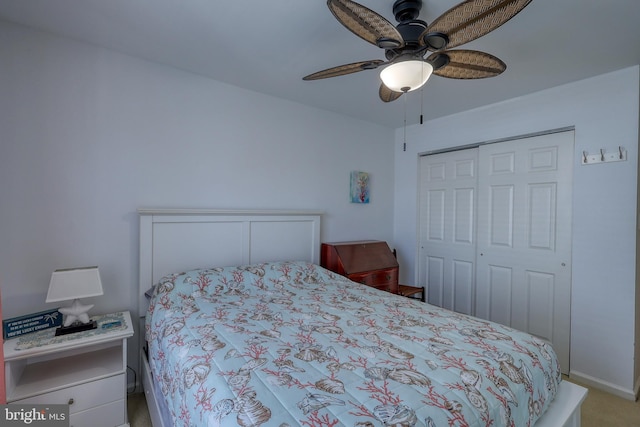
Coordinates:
[76,327]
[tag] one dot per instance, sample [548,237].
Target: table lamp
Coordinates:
[73,284]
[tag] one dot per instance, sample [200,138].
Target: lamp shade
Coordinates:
[73,283]
[406,76]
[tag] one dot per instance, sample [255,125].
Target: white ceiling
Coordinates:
[269,45]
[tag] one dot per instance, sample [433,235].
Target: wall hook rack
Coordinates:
[603,156]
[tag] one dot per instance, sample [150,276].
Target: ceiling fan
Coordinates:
[407,43]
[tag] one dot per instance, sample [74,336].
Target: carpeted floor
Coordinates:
[600,409]
[138,412]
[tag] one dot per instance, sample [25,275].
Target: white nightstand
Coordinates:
[87,370]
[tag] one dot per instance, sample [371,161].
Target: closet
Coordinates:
[495,233]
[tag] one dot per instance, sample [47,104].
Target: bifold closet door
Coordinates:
[447,251]
[495,234]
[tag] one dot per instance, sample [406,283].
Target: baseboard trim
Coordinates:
[614,389]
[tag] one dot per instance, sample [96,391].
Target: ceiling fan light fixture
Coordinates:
[406,76]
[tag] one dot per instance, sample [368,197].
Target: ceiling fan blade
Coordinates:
[474,18]
[341,70]
[365,23]
[388,95]
[469,64]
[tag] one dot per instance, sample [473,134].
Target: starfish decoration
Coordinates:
[75,312]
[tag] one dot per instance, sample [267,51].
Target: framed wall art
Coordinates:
[359,187]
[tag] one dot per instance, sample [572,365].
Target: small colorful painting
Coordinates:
[359,187]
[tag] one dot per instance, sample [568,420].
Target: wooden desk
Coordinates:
[370,262]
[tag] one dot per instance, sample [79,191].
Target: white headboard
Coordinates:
[174,240]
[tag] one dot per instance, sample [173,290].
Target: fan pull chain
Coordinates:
[404,145]
[421,96]
[421,104]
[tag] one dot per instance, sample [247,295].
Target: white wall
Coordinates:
[604,111]
[88,135]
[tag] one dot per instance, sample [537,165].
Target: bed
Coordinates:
[244,327]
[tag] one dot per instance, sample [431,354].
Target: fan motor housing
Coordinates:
[410,31]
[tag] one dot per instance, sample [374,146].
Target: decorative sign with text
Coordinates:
[17,326]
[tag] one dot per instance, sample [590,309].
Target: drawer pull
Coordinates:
[71,401]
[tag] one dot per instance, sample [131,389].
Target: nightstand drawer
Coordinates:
[83,396]
[109,415]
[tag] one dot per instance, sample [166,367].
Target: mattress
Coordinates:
[290,343]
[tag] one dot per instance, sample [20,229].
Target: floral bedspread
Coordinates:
[290,343]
